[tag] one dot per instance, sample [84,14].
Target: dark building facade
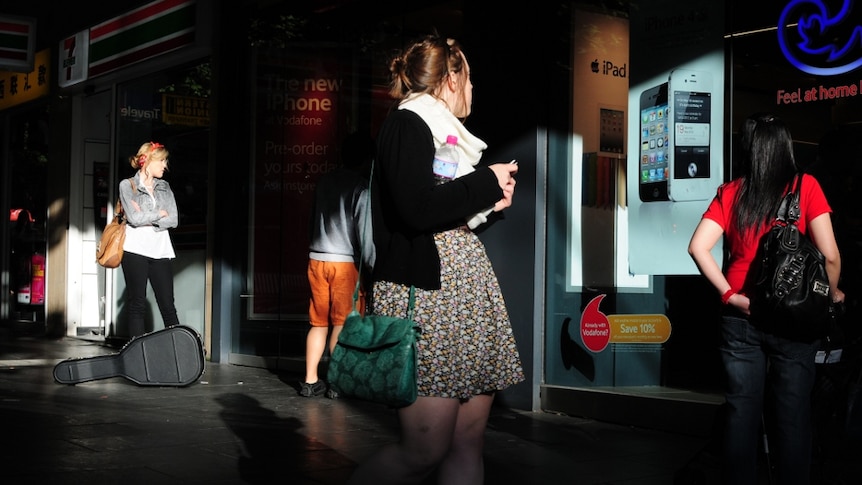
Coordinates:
[253,98]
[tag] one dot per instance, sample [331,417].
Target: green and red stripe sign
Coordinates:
[148,31]
[17,40]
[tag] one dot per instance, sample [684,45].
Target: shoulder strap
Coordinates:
[788,211]
[118,208]
[793,206]
[362,237]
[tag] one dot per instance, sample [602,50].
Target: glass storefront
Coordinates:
[627,312]
[307,99]
[25,174]
[172,108]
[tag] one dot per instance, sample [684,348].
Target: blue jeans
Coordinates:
[756,362]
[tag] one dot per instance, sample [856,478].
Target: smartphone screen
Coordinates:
[654,127]
[691,115]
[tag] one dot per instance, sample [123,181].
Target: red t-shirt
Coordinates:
[812,203]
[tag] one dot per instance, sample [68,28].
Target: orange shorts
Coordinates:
[332,287]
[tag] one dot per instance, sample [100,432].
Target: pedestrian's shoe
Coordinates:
[311,390]
[331,393]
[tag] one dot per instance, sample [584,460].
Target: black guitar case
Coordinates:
[173,356]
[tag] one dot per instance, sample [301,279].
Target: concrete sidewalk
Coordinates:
[248,425]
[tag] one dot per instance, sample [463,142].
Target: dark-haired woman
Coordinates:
[741,213]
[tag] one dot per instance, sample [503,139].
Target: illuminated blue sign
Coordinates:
[819,42]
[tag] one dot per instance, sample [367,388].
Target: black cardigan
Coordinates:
[408,207]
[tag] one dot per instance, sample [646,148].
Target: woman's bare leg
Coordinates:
[427,429]
[464,464]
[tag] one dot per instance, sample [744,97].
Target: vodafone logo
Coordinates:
[821,40]
[595,327]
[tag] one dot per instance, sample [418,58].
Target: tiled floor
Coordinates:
[247,425]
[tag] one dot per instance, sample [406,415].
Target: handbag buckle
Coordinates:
[821,288]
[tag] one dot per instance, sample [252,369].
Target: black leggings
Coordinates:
[137,270]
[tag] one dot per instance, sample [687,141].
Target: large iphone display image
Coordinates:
[653,161]
[693,175]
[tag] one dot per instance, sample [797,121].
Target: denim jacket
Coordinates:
[148,215]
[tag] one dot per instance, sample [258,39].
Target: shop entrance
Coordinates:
[24,245]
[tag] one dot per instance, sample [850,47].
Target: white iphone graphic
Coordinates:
[694,172]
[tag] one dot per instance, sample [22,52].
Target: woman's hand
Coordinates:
[741,302]
[837,296]
[505,173]
[506,201]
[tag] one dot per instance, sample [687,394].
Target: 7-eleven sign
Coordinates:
[72,67]
[17,43]
[151,30]
[146,32]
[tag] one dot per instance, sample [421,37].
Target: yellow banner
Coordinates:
[642,329]
[17,88]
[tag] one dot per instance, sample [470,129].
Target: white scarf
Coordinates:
[443,123]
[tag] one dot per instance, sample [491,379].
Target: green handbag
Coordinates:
[375,358]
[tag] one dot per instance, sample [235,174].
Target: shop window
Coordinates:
[27,219]
[171,108]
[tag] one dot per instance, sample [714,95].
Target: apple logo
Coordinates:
[594,66]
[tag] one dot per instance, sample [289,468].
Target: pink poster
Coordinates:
[299,122]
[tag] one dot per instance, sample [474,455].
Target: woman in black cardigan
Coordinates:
[423,238]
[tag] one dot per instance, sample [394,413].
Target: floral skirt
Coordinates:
[466,346]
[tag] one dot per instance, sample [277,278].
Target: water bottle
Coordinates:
[446,160]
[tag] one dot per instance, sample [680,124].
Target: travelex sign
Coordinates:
[819,38]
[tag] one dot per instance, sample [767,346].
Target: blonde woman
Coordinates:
[151,210]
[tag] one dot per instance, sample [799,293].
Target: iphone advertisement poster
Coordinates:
[675,157]
[678,166]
